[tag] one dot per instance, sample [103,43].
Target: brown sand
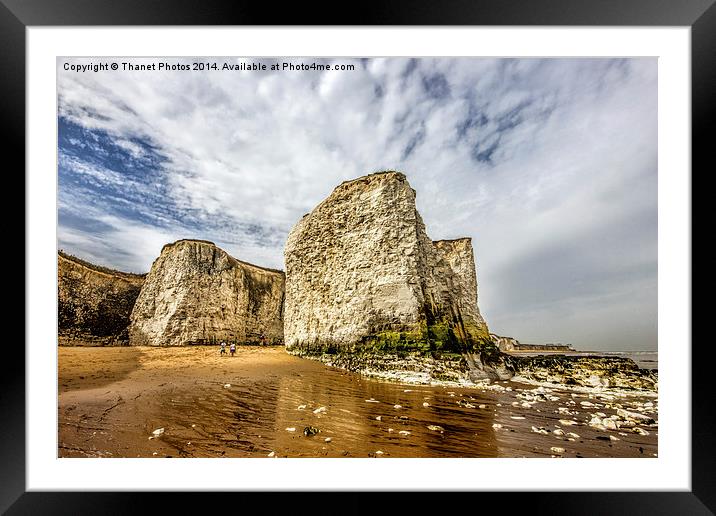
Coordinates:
[111,400]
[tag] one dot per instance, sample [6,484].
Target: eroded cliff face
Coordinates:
[196,293]
[94,303]
[459,256]
[361,273]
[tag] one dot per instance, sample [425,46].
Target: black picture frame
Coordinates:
[700,15]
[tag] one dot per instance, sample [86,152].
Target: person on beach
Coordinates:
[223,348]
[232,349]
[263,339]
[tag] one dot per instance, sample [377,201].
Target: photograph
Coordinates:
[380,257]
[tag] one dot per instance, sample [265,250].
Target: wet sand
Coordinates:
[258,403]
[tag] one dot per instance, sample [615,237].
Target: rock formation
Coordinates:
[195,293]
[94,303]
[587,371]
[362,274]
[460,258]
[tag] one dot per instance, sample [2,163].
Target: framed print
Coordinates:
[435,250]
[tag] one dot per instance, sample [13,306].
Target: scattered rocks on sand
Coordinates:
[320,410]
[556,449]
[291,429]
[310,430]
[158,432]
[436,428]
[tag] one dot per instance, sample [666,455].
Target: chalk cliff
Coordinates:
[94,302]
[362,274]
[196,293]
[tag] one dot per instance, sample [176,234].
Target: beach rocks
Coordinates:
[599,372]
[196,293]
[310,431]
[634,416]
[568,422]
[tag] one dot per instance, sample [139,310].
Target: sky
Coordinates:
[550,165]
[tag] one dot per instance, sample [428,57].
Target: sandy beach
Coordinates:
[192,402]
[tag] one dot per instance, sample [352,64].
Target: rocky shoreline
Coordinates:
[598,373]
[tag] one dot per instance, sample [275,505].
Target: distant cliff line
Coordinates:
[100,268]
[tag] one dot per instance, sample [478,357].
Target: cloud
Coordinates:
[548,164]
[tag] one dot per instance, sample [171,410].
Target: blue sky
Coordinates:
[549,165]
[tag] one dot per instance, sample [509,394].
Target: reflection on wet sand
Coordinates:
[191,402]
[362,417]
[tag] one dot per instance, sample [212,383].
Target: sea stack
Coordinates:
[93,302]
[362,275]
[196,293]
